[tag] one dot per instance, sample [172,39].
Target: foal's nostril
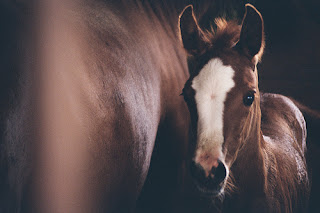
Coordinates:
[219,173]
[213,170]
[211,181]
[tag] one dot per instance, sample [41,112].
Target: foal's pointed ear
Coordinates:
[252,32]
[190,33]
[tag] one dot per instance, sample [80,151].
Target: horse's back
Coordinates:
[284,131]
[282,119]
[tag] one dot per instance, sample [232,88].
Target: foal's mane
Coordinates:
[225,35]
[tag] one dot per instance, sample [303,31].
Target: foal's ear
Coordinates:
[252,32]
[190,33]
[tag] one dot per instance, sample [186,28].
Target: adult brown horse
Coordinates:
[100,94]
[249,146]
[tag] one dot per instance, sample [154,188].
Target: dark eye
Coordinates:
[248,99]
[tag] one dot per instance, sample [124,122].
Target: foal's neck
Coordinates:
[249,166]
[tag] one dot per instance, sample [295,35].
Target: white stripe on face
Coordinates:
[211,86]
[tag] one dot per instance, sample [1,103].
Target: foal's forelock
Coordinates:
[211,86]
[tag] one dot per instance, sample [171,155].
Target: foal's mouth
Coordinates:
[205,191]
[211,185]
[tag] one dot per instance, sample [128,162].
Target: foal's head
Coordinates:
[222,92]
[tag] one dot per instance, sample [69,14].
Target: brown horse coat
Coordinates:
[105,90]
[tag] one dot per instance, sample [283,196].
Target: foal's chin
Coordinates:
[211,191]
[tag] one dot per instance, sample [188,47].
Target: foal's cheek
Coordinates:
[230,149]
[232,141]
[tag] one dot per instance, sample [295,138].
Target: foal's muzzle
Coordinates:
[208,184]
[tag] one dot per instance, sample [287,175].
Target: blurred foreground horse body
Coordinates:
[101,94]
[249,146]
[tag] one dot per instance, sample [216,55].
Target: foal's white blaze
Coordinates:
[211,86]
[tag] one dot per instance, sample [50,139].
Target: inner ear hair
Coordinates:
[252,33]
[191,35]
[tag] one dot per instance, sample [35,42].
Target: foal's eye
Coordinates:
[248,99]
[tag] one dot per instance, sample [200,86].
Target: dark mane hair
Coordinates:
[225,35]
